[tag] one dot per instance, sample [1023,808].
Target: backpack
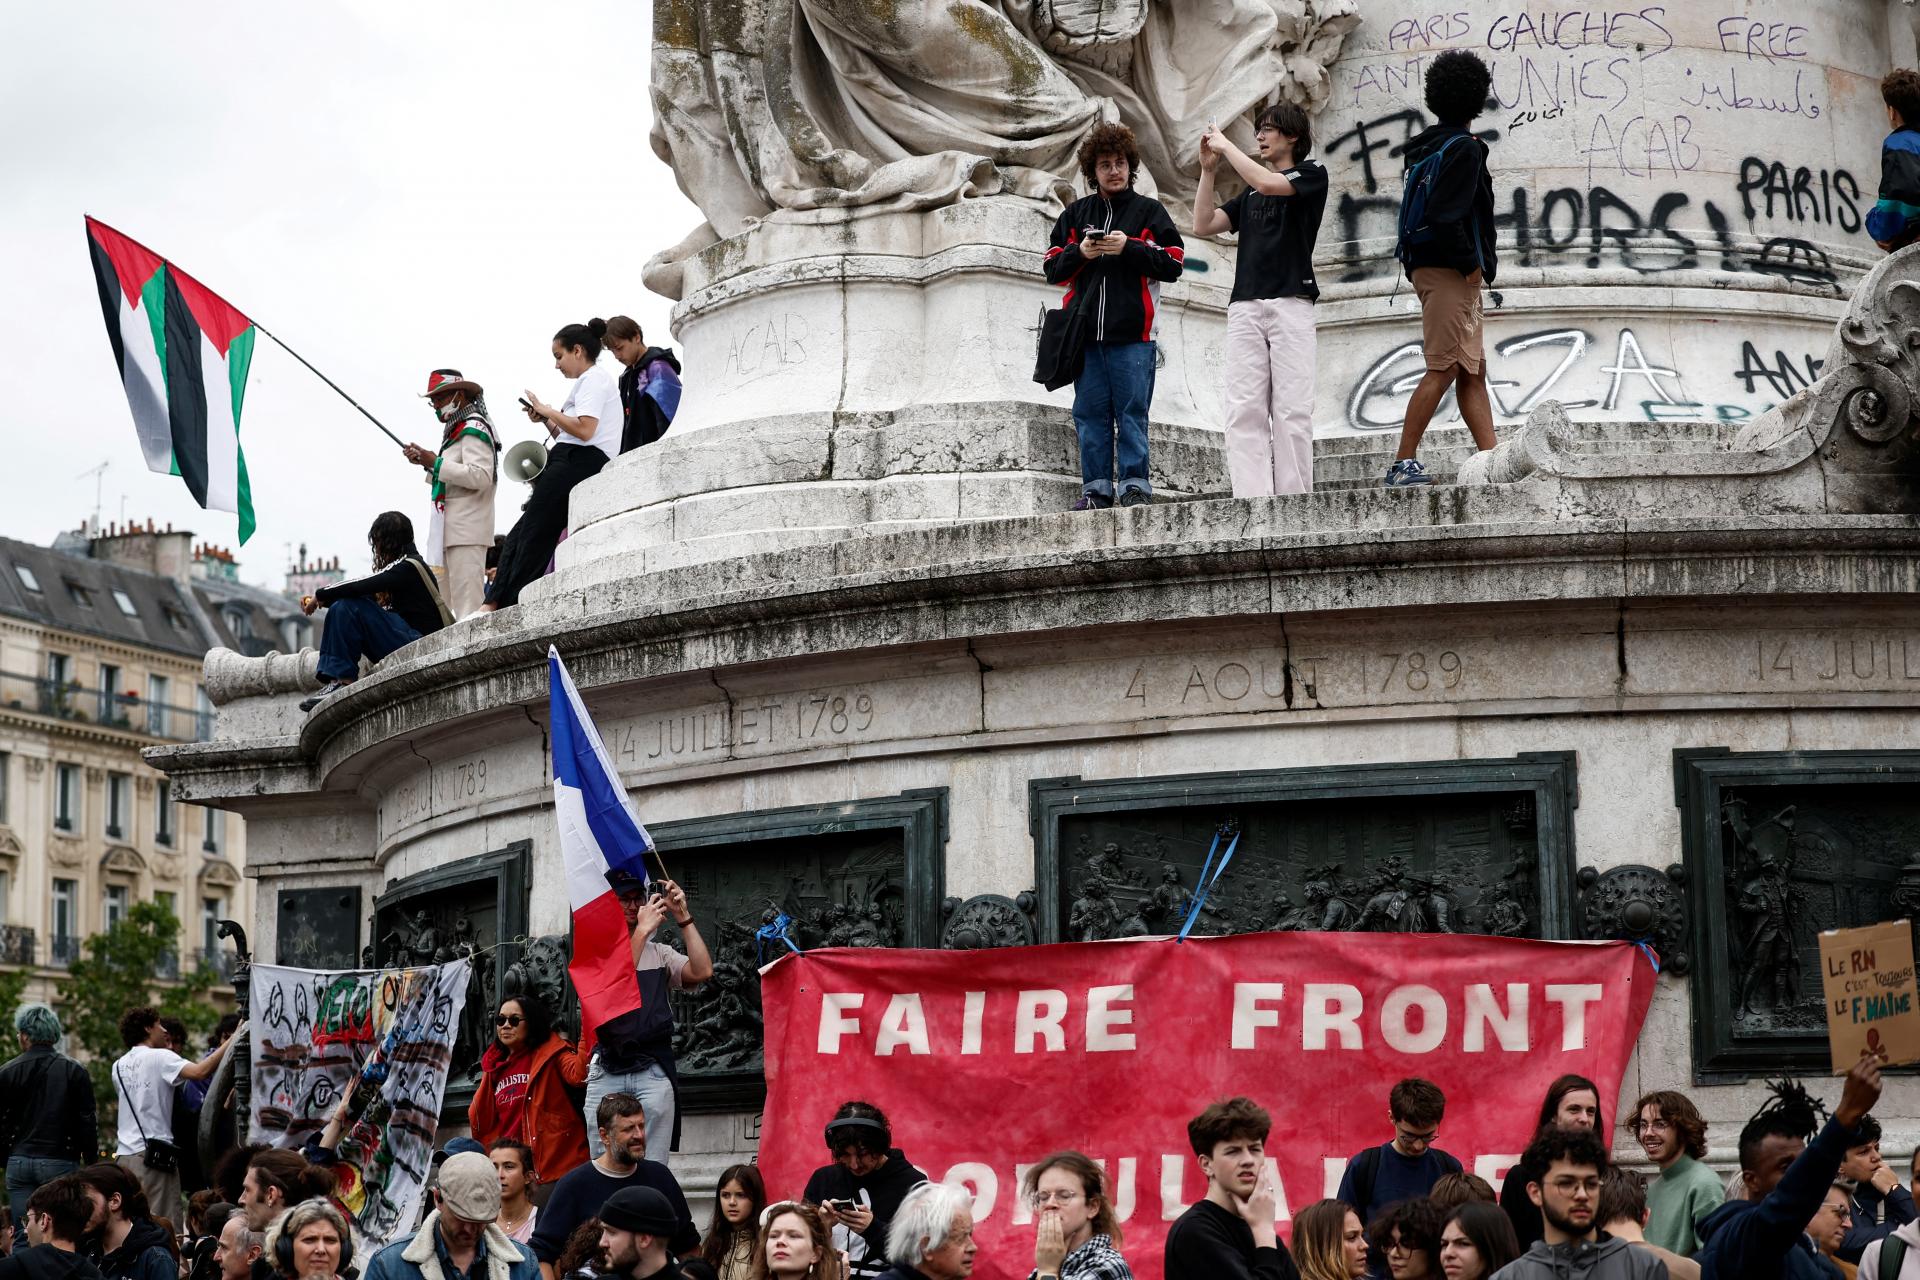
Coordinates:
[1416,190]
[1893,1253]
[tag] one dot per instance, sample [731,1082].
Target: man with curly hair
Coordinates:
[1894,220]
[1450,257]
[143,1079]
[1669,1129]
[1113,249]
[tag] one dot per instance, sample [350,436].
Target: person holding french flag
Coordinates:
[620,972]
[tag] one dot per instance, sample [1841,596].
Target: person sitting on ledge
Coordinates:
[373,616]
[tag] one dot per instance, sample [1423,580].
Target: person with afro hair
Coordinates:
[1450,257]
[1113,249]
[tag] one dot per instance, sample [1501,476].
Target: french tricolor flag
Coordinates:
[599,834]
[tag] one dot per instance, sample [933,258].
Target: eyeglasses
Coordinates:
[508,1020]
[1411,1135]
[1041,1199]
[1652,1126]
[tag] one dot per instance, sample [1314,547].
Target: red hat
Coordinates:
[450,380]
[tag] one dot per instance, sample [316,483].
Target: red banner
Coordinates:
[985,1061]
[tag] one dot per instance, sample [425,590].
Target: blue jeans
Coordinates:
[655,1092]
[26,1175]
[1110,399]
[357,627]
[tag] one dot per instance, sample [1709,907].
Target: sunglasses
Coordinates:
[508,1020]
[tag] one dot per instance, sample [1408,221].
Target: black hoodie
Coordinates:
[647,416]
[882,1191]
[47,1262]
[143,1255]
[1459,207]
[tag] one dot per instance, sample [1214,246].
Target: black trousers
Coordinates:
[537,532]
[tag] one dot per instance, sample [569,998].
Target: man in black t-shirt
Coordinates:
[1230,1235]
[1270,340]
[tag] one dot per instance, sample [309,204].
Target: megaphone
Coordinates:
[525,461]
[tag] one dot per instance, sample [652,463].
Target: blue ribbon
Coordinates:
[1653,957]
[775,932]
[1204,886]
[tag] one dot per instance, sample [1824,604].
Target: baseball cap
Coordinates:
[640,1209]
[470,1187]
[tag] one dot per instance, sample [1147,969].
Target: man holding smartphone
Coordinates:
[861,1190]
[635,1051]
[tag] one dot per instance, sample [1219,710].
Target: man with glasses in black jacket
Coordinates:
[47,1124]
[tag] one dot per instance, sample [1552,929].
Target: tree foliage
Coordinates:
[118,973]
[13,987]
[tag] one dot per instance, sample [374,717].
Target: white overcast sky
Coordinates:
[389,188]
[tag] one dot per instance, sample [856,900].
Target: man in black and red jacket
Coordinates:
[1113,249]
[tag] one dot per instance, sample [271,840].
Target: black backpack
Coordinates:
[1893,1252]
[1416,190]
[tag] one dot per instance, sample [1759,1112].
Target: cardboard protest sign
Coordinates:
[1871,1006]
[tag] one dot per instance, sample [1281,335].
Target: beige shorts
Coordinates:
[1449,318]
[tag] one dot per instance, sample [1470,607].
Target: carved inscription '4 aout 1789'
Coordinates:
[1271,679]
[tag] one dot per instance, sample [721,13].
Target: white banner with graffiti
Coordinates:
[358,1057]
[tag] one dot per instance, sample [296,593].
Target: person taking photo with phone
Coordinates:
[862,1189]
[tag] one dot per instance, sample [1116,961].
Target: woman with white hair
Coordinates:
[309,1242]
[46,1105]
[932,1234]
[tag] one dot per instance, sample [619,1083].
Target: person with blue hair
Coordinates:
[47,1123]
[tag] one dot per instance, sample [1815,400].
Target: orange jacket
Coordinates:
[553,1124]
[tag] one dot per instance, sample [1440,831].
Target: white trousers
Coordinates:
[1270,351]
[464,582]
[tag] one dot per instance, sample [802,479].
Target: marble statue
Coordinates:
[764,106]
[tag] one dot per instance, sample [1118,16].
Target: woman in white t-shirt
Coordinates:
[586,432]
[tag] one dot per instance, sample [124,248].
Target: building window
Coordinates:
[59,668]
[66,796]
[216,838]
[212,910]
[114,909]
[6,783]
[79,594]
[119,788]
[26,577]
[109,693]
[203,714]
[168,902]
[66,922]
[125,602]
[163,812]
[6,895]
[157,693]
[175,618]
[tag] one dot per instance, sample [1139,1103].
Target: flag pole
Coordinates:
[330,382]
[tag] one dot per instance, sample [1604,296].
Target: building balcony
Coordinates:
[70,701]
[166,966]
[220,961]
[62,952]
[16,944]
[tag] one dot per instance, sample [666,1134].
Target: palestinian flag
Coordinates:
[183,354]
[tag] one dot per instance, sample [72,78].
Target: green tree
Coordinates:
[117,974]
[13,987]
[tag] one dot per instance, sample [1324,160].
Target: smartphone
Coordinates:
[842,1206]
[525,405]
[1091,233]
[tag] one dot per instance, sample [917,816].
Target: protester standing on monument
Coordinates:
[1622,1212]
[1076,1235]
[1671,1131]
[864,1186]
[635,1051]
[54,1221]
[738,1198]
[1407,1167]
[1476,1240]
[931,1237]
[1407,1235]
[1229,1234]
[132,1243]
[144,1078]
[359,625]
[459,1238]
[1879,1204]
[1113,249]
[525,1076]
[1270,335]
[47,1120]
[585,432]
[649,384]
[1329,1242]
[622,1121]
[796,1244]
[1568,1165]
[463,473]
[1447,245]
[1764,1237]
[1572,1102]
[513,1159]
[1894,220]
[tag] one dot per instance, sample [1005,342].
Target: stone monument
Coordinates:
[1645,671]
